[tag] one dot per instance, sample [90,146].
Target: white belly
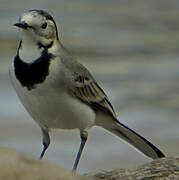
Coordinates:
[54,109]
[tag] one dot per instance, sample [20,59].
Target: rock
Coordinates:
[17,166]
[160,169]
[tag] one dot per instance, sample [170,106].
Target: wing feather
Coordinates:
[84,87]
[88,91]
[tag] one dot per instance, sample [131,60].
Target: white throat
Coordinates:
[29,50]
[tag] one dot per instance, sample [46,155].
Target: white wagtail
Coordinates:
[58,91]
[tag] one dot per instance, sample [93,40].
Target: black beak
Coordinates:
[22,25]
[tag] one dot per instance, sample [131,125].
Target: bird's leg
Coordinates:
[46,141]
[84,136]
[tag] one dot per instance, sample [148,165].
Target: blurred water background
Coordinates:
[132,48]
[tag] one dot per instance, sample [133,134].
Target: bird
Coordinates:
[59,92]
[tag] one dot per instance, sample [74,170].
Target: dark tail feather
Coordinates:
[139,142]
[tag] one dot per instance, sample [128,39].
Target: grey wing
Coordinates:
[87,90]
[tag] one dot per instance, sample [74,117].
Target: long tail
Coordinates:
[133,138]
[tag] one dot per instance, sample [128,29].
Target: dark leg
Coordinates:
[84,136]
[46,142]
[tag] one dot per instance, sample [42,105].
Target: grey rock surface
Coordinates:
[164,169]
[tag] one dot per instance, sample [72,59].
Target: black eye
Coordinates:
[44,25]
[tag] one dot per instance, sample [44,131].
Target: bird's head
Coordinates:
[38,26]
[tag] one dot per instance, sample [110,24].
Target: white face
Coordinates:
[39,26]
